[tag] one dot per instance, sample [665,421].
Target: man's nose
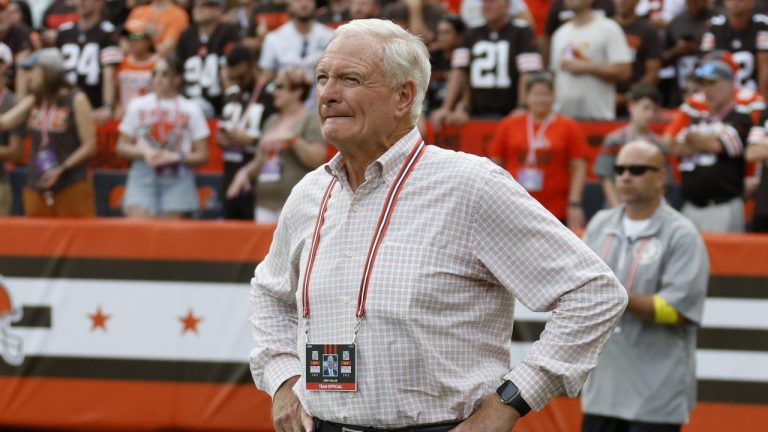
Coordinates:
[328,92]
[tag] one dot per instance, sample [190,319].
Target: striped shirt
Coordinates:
[464,241]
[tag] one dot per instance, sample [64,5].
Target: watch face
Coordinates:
[508,391]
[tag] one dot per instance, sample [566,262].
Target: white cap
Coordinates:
[49,58]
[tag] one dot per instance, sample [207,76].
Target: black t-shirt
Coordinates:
[86,53]
[688,28]
[743,44]
[761,194]
[707,176]
[645,44]
[441,66]
[558,14]
[494,61]
[202,60]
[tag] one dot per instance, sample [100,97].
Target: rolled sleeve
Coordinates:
[547,268]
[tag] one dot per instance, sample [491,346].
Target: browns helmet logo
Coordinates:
[11,345]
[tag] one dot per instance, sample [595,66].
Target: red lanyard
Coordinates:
[378,234]
[536,141]
[46,115]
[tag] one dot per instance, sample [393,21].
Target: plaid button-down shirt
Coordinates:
[464,242]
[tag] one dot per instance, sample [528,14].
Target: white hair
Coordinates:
[405,55]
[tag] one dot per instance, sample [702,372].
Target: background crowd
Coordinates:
[161,67]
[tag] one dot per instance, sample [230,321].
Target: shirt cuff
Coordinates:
[278,371]
[536,388]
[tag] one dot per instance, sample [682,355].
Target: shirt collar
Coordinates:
[387,165]
[657,220]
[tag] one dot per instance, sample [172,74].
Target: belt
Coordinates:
[712,201]
[326,426]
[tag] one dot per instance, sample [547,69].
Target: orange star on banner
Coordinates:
[189,322]
[99,320]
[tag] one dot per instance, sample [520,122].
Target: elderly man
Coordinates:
[395,249]
[645,380]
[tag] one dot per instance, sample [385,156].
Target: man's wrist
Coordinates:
[574,203]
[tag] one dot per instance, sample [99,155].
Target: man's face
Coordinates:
[446,38]
[642,112]
[205,12]
[240,74]
[540,98]
[331,363]
[695,7]
[739,8]
[89,7]
[355,102]
[717,93]
[303,10]
[635,189]
[625,8]
[495,10]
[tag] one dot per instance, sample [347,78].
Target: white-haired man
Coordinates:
[399,250]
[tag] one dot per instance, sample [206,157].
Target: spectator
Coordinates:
[491,67]
[290,147]
[643,102]
[548,161]
[681,42]
[10,144]
[134,74]
[757,151]
[711,148]
[746,36]
[57,14]
[364,9]
[449,33]
[267,17]
[559,14]
[21,14]
[164,135]
[646,377]
[472,12]
[60,125]
[418,16]
[202,48]
[116,12]
[17,37]
[645,46]
[297,43]
[241,15]
[589,55]
[91,56]
[240,129]
[334,14]
[164,21]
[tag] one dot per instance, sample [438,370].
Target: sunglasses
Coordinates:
[635,170]
[161,73]
[280,86]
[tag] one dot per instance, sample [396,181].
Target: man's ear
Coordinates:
[406,94]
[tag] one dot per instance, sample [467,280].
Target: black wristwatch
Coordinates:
[510,395]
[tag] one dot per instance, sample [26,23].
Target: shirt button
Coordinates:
[349,254]
[356,208]
[345,300]
[351,395]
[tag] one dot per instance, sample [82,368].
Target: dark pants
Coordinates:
[760,224]
[595,423]
[240,207]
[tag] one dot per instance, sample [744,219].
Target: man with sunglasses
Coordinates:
[645,380]
[711,152]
